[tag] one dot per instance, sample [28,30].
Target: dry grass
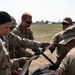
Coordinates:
[45,32]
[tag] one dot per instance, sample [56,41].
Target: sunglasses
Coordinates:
[65,23]
[28,22]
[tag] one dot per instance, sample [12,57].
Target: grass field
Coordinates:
[44,33]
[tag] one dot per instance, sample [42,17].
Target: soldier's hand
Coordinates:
[19,70]
[52,47]
[22,60]
[45,44]
[14,72]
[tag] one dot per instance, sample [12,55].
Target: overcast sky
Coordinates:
[52,10]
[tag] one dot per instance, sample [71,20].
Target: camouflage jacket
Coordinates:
[61,50]
[6,64]
[67,66]
[4,60]
[18,42]
[23,33]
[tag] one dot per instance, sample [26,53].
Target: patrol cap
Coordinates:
[67,20]
[68,35]
[4,17]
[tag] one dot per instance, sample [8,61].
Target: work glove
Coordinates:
[44,44]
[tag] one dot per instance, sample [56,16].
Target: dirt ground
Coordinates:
[41,61]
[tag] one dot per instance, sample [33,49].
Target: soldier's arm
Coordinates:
[64,66]
[3,51]
[54,42]
[32,44]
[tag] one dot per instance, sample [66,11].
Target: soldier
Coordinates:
[10,66]
[23,30]
[61,50]
[13,23]
[5,23]
[67,66]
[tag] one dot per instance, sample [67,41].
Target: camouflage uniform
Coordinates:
[4,60]
[28,34]
[61,50]
[26,43]
[67,66]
